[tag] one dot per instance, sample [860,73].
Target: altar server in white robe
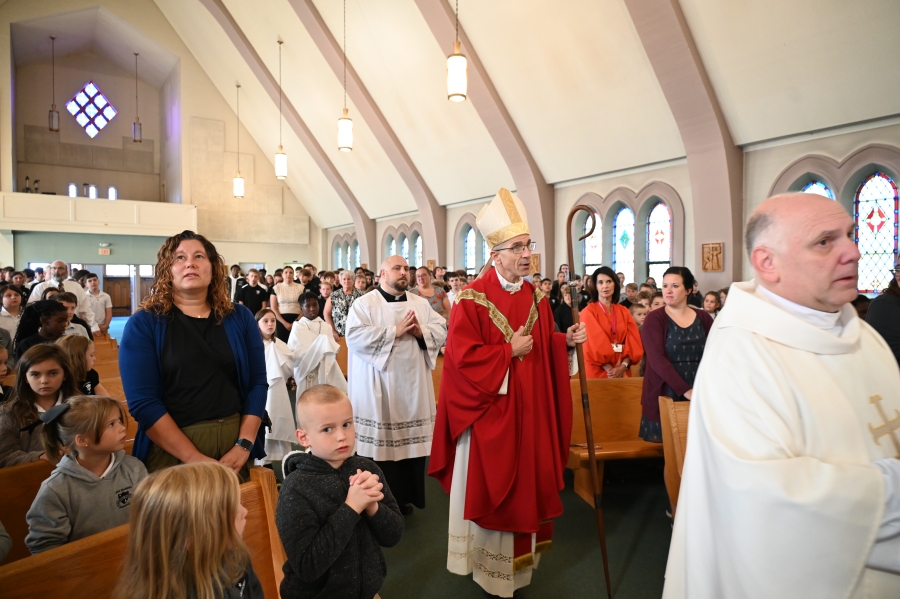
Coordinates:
[393,339]
[791,483]
[279,369]
[314,349]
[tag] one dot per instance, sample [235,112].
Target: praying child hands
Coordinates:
[369,483]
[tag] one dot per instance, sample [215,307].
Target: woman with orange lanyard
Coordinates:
[613,340]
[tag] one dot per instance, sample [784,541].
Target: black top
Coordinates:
[87,386]
[626,303]
[884,317]
[29,342]
[332,552]
[196,388]
[563,316]
[695,299]
[684,348]
[252,297]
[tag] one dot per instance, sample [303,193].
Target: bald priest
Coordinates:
[791,483]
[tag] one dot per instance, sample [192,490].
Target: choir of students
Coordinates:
[58,411]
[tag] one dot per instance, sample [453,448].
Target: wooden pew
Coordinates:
[20,485]
[674,418]
[89,568]
[342,356]
[616,419]
[436,376]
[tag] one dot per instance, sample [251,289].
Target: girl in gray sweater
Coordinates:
[90,489]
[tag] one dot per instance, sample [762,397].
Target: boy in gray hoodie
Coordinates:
[90,489]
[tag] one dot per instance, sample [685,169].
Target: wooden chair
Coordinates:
[89,568]
[674,418]
[616,419]
[342,356]
[436,376]
[20,485]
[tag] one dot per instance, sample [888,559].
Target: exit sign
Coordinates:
[105,251]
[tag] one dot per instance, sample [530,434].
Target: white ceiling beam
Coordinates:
[365,226]
[715,163]
[432,215]
[536,194]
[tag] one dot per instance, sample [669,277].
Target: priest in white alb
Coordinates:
[394,338]
[791,482]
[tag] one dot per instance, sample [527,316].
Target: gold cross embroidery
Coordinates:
[888,428]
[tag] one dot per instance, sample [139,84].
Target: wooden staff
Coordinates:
[585,402]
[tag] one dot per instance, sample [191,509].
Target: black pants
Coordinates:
[280,331]
[406,480]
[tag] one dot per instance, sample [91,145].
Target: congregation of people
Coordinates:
[223,370]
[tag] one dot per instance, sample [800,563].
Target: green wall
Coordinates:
[31,246]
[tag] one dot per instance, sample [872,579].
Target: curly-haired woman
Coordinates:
[193,365]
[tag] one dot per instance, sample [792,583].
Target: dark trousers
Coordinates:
[406,479]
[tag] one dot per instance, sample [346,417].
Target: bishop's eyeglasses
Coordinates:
[519,248]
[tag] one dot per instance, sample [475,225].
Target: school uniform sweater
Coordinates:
[332,552]
[75,503]
[17,447]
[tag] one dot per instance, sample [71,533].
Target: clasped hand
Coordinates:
[365,492]
[521,343]
[409,324]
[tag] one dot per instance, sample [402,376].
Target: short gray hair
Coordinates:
[758,224]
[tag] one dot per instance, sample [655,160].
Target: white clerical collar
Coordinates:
[827,321]
[506,285]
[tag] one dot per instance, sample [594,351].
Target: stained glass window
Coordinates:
[818,188]
[592,248]
[623,243]
[876,231]
[91,109]
[659,242]
[339,256]
[349,265]
[392,247]
[404,248]
[485,252]
[418,251]
[355,254]
[469,251]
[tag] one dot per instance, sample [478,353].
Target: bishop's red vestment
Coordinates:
[519,440]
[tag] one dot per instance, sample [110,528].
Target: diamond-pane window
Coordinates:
[875,211]
[592,250]
[818,188]
[623,248]
[91,109]
[659,242]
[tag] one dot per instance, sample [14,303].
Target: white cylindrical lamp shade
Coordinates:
[457,75]
[345,133]
[280,164]
[238,186]
[136,133]
[53,118]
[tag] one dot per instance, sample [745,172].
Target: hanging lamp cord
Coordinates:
[137,112]
[279,92]
[53,60]
[345,54]
[239,127]
[457,20]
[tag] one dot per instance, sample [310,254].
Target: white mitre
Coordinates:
[502,219]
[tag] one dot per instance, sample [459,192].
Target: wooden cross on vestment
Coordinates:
[889,427]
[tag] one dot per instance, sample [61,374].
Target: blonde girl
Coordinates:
[80,352]
[90,489]
[44,380]
[185,537]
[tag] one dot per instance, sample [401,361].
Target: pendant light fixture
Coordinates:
[53,117]
[457,67]
[238,180]
[280,156]
[136,136]
[345,123]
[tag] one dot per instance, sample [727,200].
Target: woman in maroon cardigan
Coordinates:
[674,337]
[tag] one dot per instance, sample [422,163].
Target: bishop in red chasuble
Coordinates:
[504,419]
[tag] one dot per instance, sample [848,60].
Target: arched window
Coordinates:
[623,244]
[404,247]
[485,252]
[659,242]
[469,251]
[592,247]
[349,257]
[339,256]
[818,188]
[73,190]
[355,254]
[113,193]
[875,211]
[392,247]
[417,251]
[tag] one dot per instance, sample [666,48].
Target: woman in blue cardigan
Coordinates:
[193,365]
